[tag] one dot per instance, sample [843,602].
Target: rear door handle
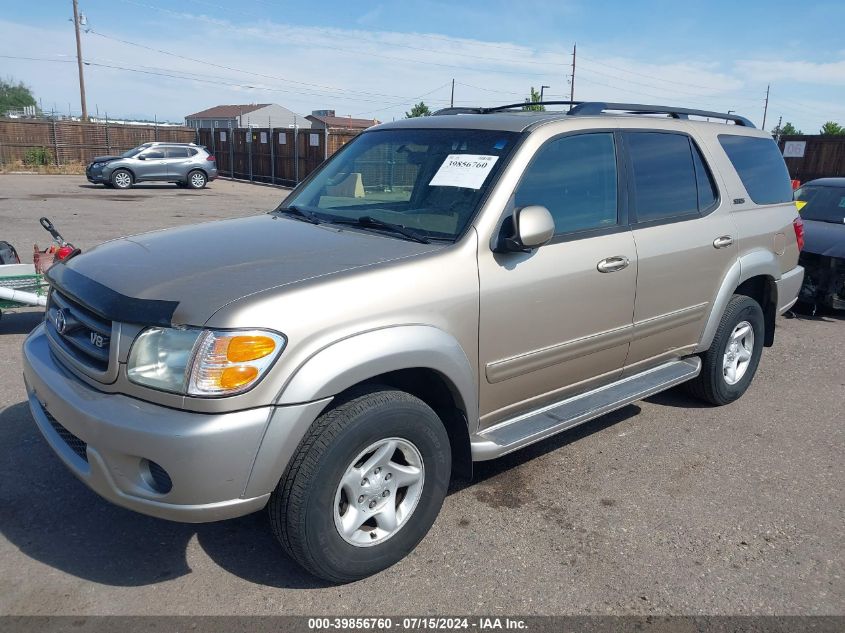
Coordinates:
[612,264]
[723,242]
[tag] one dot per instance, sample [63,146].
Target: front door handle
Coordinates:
[612,264]
[723,242]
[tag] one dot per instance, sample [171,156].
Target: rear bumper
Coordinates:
[109,441]
[788,287]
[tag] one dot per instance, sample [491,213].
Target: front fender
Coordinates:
[357,358]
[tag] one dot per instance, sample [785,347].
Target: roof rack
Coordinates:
[591,108]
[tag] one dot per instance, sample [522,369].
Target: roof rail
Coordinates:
[458,110]
[591,108]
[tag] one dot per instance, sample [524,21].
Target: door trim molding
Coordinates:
[669,320]
[507,368]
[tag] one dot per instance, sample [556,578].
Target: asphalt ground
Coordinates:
[664,507]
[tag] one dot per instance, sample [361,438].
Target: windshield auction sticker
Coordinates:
[468,171]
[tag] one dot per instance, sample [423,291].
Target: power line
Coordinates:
[237,70]
[404,103]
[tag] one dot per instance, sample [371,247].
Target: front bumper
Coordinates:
[95,176]
[788,287]
[110,440]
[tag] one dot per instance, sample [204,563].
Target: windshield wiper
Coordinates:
[300,213]
[369,222]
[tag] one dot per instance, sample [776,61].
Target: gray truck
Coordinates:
[443,290]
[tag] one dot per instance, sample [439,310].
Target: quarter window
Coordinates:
[707,192]
[574,177]
[760,167]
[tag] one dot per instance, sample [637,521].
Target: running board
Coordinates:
[537,425]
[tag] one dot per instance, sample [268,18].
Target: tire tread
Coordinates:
[287,504]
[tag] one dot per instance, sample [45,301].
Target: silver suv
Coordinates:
[444,290]
[186,164]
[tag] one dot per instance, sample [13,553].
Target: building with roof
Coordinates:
[247,115]
[322,119]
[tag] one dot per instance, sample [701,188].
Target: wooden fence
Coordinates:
[279,156]
[44,141]
[823,156]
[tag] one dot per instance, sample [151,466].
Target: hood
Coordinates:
[824,238]
[193,271]
[105,159]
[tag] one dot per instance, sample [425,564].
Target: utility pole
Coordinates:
[79,60]
[572,83]
[542,90]
[766,107]
[452,99]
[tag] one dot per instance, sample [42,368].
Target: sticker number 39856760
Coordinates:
[464,170]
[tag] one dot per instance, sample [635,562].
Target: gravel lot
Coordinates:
[664,507]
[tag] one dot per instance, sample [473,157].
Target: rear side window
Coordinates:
[760,167]
[663,175]
[177,152]
[574,177]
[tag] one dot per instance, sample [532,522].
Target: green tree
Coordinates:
[535,98]
[421,109]
[14,96]
[832,129]
[789,130]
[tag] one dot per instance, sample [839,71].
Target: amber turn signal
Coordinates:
[236,377]
[246,348]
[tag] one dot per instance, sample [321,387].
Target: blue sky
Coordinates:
[376,59]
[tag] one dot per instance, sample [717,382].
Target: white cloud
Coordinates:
[803,72]
[382,73]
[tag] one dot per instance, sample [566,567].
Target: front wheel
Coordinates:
[364,487]
[122,179]
[728,367]
[197,180]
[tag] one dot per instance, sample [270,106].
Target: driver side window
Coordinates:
[153,153]
[574,177]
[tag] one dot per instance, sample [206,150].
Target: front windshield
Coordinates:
[824,204]
[132,152]
[427,180]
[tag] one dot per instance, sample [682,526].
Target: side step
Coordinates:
[536,425]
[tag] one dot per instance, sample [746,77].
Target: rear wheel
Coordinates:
[122,179]
[730,364]
[197,179]
[364,487]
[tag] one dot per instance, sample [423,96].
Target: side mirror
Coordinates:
[533,226]
[141,157]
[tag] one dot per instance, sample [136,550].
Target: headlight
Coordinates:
[96,165]
[202,362]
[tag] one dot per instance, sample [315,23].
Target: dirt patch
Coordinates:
[507,490]
[86,196]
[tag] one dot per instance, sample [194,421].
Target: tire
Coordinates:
[715,384]
[122,179]
[197,179]
[310,504]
